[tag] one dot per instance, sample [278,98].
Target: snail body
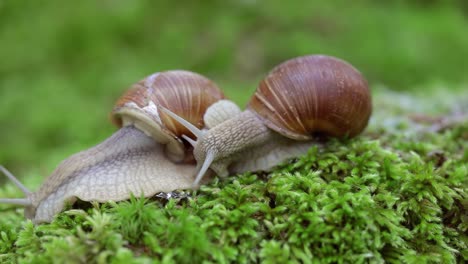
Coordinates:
[165,113]
[145,156]
[297,100]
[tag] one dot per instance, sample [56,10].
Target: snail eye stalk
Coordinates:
[15,180]
[197,132]
[206,165]
[17,201]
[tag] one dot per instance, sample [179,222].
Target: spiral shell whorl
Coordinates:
[313,94]
[185,93]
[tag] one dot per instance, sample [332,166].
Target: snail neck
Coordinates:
[229,141]
[272,153]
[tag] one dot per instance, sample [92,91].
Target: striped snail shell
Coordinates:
[302,97]
[185,93]
[132,161]
[313,94]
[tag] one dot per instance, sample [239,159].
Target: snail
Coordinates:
[145,156]
[302,97]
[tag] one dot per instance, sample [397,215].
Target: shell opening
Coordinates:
[147,120]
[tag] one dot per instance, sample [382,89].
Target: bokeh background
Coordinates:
[63,64]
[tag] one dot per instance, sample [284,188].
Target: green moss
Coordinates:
[396,194]
[362,200]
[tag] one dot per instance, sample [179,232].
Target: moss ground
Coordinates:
[395,194]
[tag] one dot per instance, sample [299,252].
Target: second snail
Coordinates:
[297,100]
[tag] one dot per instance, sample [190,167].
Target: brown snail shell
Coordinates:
[298,99]
[185,93]
[313,94]
[133,160]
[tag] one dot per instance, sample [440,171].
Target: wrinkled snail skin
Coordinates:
[145,156]
[254,147]
[223,143]
[128,162]
[298,99]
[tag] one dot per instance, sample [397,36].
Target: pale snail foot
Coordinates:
[128,163]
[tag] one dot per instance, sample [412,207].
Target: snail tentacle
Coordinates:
[15,180]
[204,168]
[189,140]
[16,201]
[146,155]
[298,100]
[197,132]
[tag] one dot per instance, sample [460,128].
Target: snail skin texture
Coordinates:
[144,157]
[297,100]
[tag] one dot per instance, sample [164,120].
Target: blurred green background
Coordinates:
[63,64]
